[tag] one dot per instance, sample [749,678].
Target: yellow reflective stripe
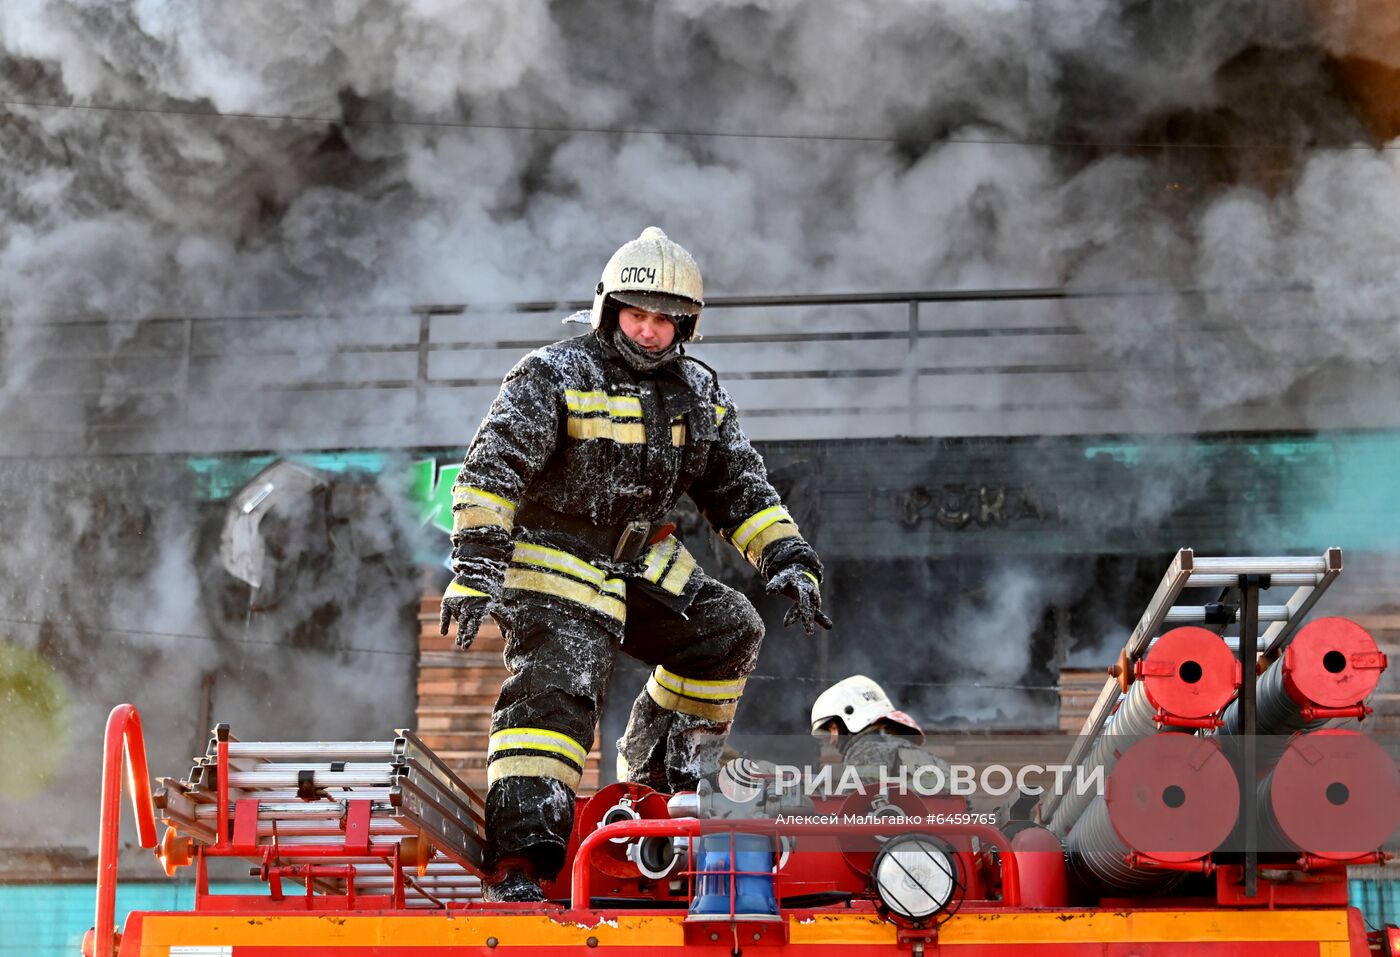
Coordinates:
[700,709]
[714,690]
[585,401]
[455,589]
[475,516]
[771,534]
[679,575]
[537,739]
[541,556]
[757,523]
[533,766]
[657,557]
[681,565]
[720,412]
[815,580]
[547,584]
[623,433]
[624,407]
[618,406]
[678,434]
[471,495]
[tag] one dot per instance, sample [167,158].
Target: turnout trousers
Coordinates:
[561,660]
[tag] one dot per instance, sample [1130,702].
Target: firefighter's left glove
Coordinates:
[801,585]
[466,604]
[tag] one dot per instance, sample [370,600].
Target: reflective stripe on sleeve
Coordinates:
[756,523]
[720,412]
[771,534]
[474,507]
[474,516]
[454,588]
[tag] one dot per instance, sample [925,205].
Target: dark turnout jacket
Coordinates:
[577,430]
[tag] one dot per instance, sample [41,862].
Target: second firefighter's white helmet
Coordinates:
[856,702]
[652,273]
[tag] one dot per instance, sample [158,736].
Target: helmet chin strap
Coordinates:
[641,359]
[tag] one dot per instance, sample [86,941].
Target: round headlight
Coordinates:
[915,876]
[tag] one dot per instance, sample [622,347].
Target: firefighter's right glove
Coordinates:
[798,583]
[468,606]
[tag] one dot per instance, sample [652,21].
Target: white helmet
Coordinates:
[857,702]
[653,273]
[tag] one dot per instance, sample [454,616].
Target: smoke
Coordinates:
[471,151]
[111,591]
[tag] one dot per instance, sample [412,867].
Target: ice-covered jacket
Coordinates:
[577,430]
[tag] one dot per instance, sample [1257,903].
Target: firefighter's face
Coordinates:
[653,331]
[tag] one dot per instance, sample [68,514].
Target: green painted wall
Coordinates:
[902,498]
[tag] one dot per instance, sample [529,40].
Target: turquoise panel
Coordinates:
[1378,901]
[49,920]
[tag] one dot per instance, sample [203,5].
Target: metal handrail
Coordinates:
[123,737]
[1008,294]
[581,877]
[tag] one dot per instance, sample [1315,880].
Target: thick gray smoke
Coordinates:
[470,151]
[132,212]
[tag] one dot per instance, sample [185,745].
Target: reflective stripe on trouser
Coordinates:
[560,574]
[716,700]
[679,722]
[561,663]
[535,752]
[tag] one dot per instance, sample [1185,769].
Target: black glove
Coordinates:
[800,584]
[468,605]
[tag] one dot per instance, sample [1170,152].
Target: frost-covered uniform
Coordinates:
[577,439]
[879,750]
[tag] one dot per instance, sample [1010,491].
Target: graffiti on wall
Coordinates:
[957,506]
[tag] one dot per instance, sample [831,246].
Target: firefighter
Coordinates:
[860,722]
[557,531]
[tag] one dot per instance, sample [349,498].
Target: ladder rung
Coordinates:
[1222,580]
[1282,565]
[285,811]
[250,780]
[348,767]
[326,750]
[1189,614]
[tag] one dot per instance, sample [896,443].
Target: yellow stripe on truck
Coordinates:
[465,930]
[159,932]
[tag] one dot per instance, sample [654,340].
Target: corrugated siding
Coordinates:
[1378,901]
[49,920]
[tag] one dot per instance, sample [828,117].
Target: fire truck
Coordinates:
[1237,787]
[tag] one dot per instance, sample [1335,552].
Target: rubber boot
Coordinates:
[513,883]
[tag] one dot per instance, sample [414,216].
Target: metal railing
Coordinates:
[1024,358]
